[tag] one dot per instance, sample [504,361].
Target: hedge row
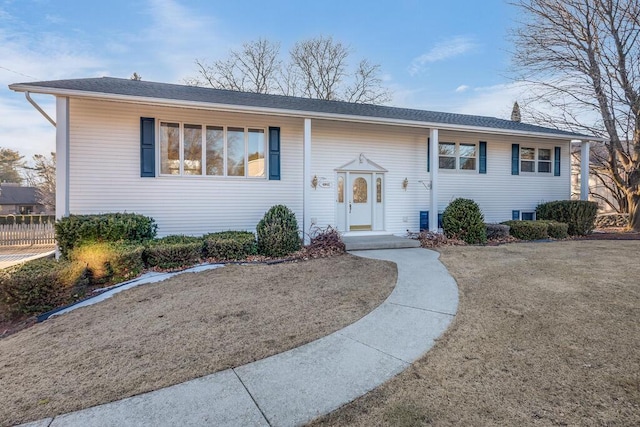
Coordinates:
[41,285]
[536,230]
[74,230]
[579,215]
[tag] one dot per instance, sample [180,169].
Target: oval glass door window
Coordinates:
[360,190]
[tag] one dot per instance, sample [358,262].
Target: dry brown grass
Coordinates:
[546,334]
[186,327]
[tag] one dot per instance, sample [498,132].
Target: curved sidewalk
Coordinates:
[296,386]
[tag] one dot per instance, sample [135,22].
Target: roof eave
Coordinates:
[283,112]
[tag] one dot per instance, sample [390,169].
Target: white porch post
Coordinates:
[62,157]
[306,184]
[584,170]
[433,202]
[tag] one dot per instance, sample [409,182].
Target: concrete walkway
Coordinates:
[296,386]
[13,255]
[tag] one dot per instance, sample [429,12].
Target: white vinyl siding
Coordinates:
[400,150]
[498,192]
[104,171]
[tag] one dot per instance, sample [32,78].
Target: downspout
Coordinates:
[37,107]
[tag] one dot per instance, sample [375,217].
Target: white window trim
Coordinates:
[536,160]
[457,157]
[204,151]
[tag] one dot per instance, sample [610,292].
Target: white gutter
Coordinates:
[37,107]
[279,111]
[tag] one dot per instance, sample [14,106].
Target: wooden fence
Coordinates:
[27,234]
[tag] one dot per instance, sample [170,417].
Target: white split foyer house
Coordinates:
[201,160]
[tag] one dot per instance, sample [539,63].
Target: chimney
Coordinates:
[515,113]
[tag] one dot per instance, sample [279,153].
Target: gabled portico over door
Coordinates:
[360,196]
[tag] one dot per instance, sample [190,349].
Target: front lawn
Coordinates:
[546,334]
[188,326]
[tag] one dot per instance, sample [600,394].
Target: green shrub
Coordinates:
[110,262]
[172,256]
[278,232]
[179,238]
[230,245]
[579,215]
[41,285]
[497,231]
[557,230]
[463,219]
[528,230]
[73,230]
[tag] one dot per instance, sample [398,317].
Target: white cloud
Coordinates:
[173,39]
[443,50]
[462,88]
[178,35]
[28,56]
[494,101]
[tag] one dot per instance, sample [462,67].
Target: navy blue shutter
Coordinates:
[483,157]
[424,220]
[515,215]
[274,153]
[515,159]
[147,147]
[428,154]
[556,162]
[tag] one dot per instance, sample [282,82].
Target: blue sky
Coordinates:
[448,56]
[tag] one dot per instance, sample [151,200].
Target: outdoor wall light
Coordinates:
[314,182]
[405,184]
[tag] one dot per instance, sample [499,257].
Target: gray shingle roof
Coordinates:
[145,89]
[14,195]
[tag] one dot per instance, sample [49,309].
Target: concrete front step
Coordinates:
[360,243]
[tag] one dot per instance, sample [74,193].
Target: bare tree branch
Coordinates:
[582,61]
[317,68]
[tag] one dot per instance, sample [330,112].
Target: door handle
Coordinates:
[349,207]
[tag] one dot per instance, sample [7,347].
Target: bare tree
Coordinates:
[367,87]
[42,175]
[321,64]
[317,68]
[583,58]
[254,68]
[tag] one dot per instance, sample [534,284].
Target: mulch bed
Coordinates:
[610,234]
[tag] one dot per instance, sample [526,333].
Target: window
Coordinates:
[192,150]
[215,150]
[528,216]
[460,156]
[544,160]
[447,155]
[197,150]
[256,152]
[535,160]
[468,156]
[378,190]
[25,210]
[340,189]
[170,148]
[527,159]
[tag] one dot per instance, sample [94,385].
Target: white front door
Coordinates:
[360,202]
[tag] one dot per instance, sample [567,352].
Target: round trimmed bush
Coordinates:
[463,220]
[277,232]
[41,285]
